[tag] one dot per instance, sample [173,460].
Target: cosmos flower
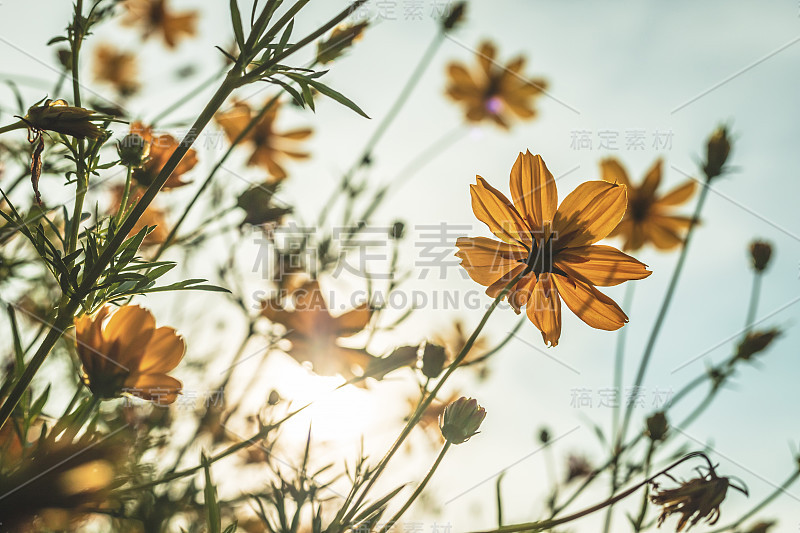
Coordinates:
[269,146]
[494,92]
[60,117]
[160,149]
[124,352]
[552,245]
[314,332]
[155,17]
[461,420]
[648,217]
[116,68]
[693,500]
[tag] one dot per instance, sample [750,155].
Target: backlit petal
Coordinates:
[493,209]
[601,265]
[679,194]
[590,305]
[158,388]
[129,328]
[589,213]
[163,353]
[651,180]
[544,309]
[613,172]
[353,321]
[533,190]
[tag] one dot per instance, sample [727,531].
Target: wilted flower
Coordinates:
[657,426]
[126,353]
[461,420]
[553,244]
[155,17]
[116,68]
[760,252]
[647,218]
[161,149]
[454,16]
[432,360]
[58,116]
[314,333]
[717,151]
[578,467]
[341,39]
[694,500]
[269,146]
[494,92]
[258,203]
[755,342]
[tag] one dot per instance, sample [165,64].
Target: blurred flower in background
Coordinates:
[153,16]
[116,68]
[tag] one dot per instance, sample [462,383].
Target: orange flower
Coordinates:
[154,17]
[494,92]
[269,146]
[313,332]
[116,68]
[128,354]
[553,244]
[161,149]
[647,218]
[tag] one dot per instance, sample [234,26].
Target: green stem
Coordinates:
[647,464]
[648,351]
[82,176]
[752,309]
[123,205]
[398,104]
[18,125]
[423,405]
[418,490]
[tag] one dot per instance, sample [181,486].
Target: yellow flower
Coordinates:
[647,218]
[314,333]
[161,148]
[116,68]
[154,17]
[126,353]
[58,116]
[554,244]
[494,92]
[694,500]
[269,146]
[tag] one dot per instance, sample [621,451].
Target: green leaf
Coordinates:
[236,19]
[339,97]
[213,517]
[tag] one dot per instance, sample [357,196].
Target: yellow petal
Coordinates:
[679,194]
[129,330]
[590,305]
[589,213]
[544,309]
[487,260]
[661,234]
[158,388]
[486,54]
[353,321]
[601,265]
[495,288]
[163,353]
[613,172]
[651,181]
[493,209]
[533,190]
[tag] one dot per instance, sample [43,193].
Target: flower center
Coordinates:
[639,208]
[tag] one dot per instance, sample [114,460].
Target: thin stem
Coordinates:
[752,309]
[647,464]
[648,351]
[423,405]
[82,180]
[619,359]
[18,125]
[123,205]
[418,490]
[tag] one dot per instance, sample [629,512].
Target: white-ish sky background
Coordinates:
[611,66]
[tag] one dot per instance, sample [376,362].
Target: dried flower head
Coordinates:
[461,420]
[552,245]
[341,39]
[694,500]
[116,68]
[717,151]
[432,360]
[494,92]
[269,146]
[454,16]
[760,253]
[155,17]
[161,149]
[124,352]
[657,426]
[58,116]
[578,467]
[756,342]
[648,217]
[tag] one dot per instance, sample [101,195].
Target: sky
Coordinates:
[678,70]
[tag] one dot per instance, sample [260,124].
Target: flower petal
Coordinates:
[493,209]
[613,172]
[544,309]
[128,331]
[590,305]
[679,194]
[163,353]
[601,265]
[589,213]
[651,180]
[158,388]
[353,321]
[533,190]
[495,288]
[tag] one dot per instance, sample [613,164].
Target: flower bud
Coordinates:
[717,151]
[432,360]
[760,252]
[454,16]
[657,426]
[544,436]
[133,150]
[56,115]
[398,230]
[461,420]
[755,342]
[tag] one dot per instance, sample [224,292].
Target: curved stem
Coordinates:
[418,490]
